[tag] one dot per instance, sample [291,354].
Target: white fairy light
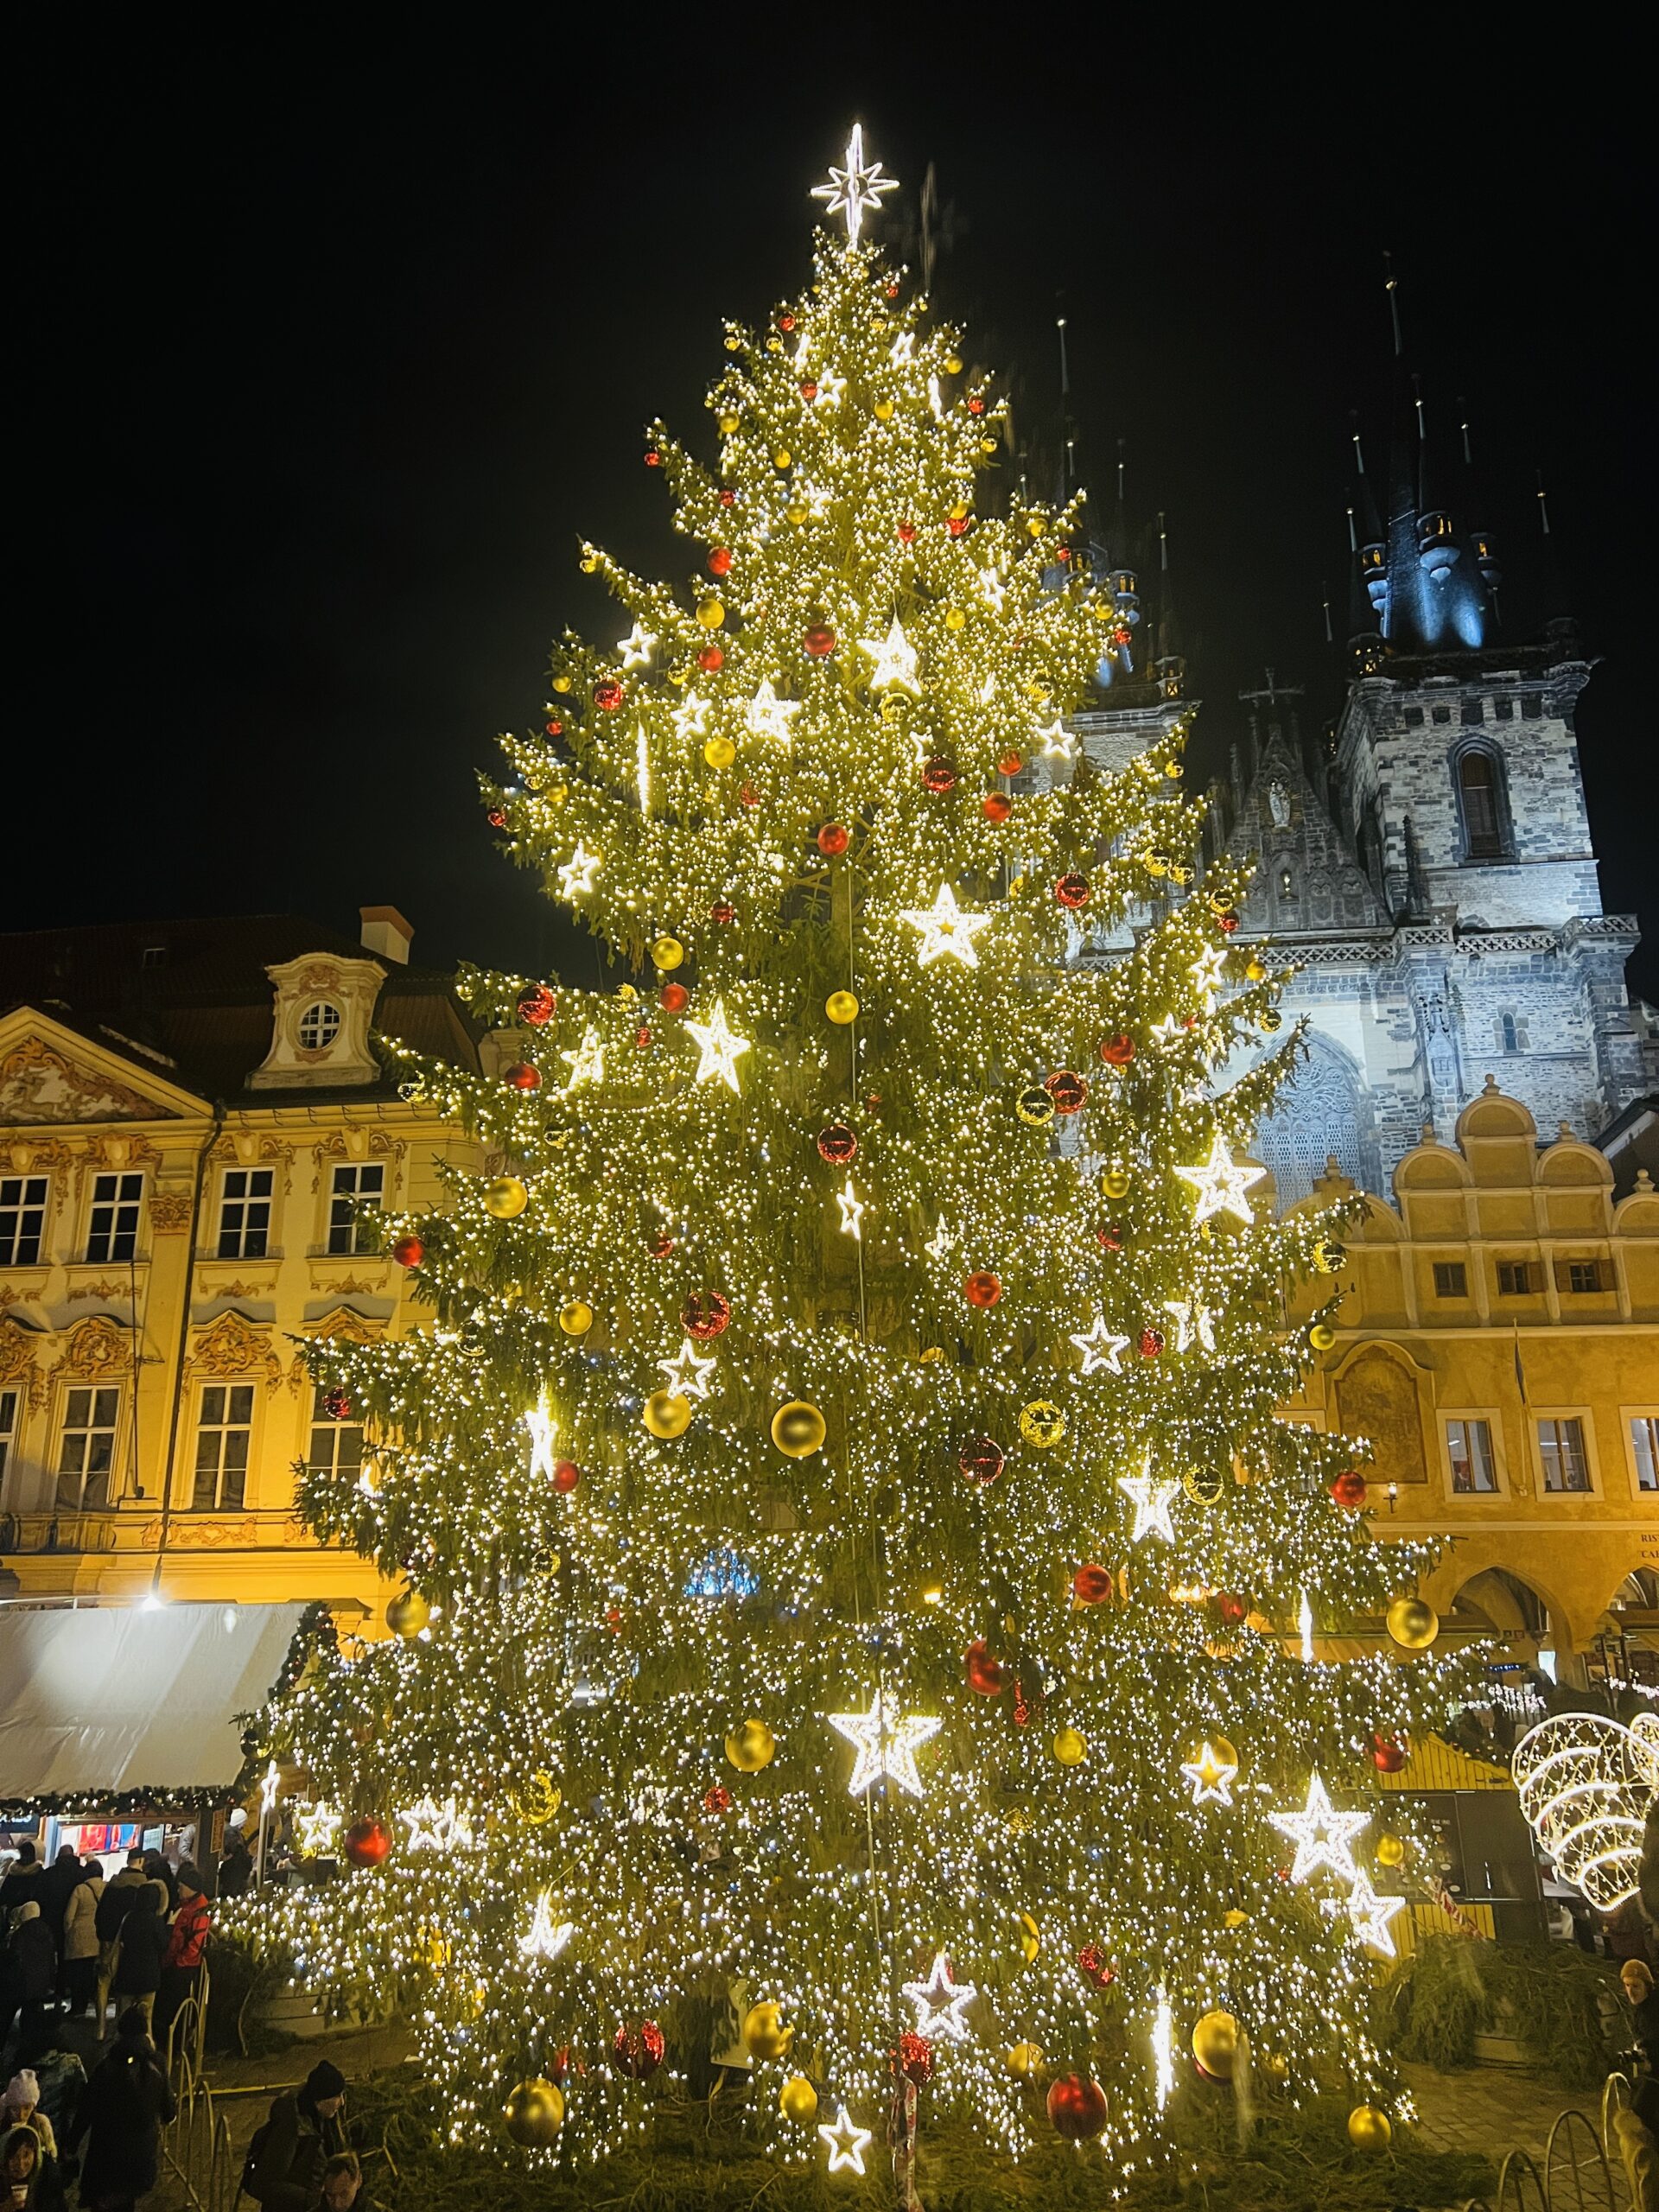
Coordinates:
[1152,1500]
[545,1937]
[852,1210]
[771,716]
[1211,1776]
[894,657]
[1163,2051]
[690,718]
[587,1063]
[687,1373]
[1370,1914]
[1059,744]
[847,2142]
[637,647]
[1192,1323]
[539,1421]
[1322,1835]
[1100,1348]
[576,876]
[434,1827]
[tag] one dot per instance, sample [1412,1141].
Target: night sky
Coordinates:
[329,357]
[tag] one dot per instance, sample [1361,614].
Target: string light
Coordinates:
[1221,1185]
[940,2002]
[846,2143]
[1322,1835]
[886,1746]
[946,928]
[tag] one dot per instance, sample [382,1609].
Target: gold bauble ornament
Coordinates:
[765,2035]
[1031,1937]
[408,1613]
[774,344]
[797,514]
[667,1414]
[710,613]
[953,365]
[1234,1919]
[1370,2128]
[1322,1336]
[988,445]
[797,1429]
[1269,1019]
[535,2112]
[562,683]
[884,410]
[668,953]
[1412,1623]
[1390,1850]
[1225,1753]
[1255,970]
[536,1800]
[1173,769]
[842,1008]
[1329,1257]
[1215,2044]
[588,565]
[959,510]
[1115,1183]
[750,1747]
[506,1198]
[728,426]
[1035,525]
[1023,2060]
[719,752]
[1070,1748]
[1042,1423]
[798,2100]
[954,619]
[576,1317]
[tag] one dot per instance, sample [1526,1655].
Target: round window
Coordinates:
[318,1027]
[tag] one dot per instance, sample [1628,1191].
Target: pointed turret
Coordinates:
[1561,625]
[1438,550]
[1169,668]
[1478,537]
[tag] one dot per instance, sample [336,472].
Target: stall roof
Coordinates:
[108,1700]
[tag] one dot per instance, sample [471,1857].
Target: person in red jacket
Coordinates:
[187,1945]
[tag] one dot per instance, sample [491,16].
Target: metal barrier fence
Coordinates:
[197,2145]
[1583,2167]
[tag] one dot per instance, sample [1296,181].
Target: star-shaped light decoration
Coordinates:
[830,389]
[895,660]
[885,1744]
[1370,1914]
[1152,1500]
[433,1827]
[946,927]
[1323,1836]
[852,1210]
[1220,1184]
[853,191]
[691,719]
[1211,1775]
[687,1376]
[771,716]
[720,1047]
[1059,744]
[539,1421]
[939,1243]
[576,876]
[1100,1348]
[903,349]
[319,1827]
[587,1063]
[940,2002]
[846,2143]
[545,1937]
[1168,1031]
[637,647]
[1205,972]
[992,590]
[1193,1323]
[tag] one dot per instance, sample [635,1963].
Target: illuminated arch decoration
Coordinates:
[1586,1784]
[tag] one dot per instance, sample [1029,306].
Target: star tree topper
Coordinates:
[1322,1835]
[853,191]
[1220,1184]
[939,2003]
[946,927]
[885,1744]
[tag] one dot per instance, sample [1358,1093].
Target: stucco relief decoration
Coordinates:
[39,1085]
[343,1322]
[375,1144]
[104,1290]
[188,1532]
[35,1156]
[118,1153]
[95,1349]
[234,1346]
[18,1363]
[169,1211]
[1377,1397]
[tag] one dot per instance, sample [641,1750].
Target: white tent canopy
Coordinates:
[104,1699]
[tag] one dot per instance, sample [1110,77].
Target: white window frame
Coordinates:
[336,1430]
[246,1201]
[90,1426]
[352,1222]
[319,1015]
[120,1198]
[1492,1421]
[1629,1416]
[11,1423]
[215,1409]
[1582,1415]
[18,1209]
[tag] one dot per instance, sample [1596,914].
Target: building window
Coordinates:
[1451,1278]
[1512,1032]
[1469,1448]
[9,1400]
[1532,707]
[1480,796]
[1644,1442]
[318,1027]
[244,1213]
[1581,1277]
[86,1449]
[1560,1447]
[114,1231]
[354,1209]
[1514,1278]
[223,1434]
[1504,710]
[22,1219]
[336,1447]
[1474,712]
[1414,718]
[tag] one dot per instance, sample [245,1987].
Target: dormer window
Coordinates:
[318,1027]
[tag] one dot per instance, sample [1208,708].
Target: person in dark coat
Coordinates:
[127,2104]
[58,1885]
[236,1868]
[28,2179]
[22,1882]
[303,2135]
[160,1871]
[34,1965]
[113,1908]
[143,1945]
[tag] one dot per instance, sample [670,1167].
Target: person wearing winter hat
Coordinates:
[34,1966]
[21,2107]
[28,2179]
[303,2132]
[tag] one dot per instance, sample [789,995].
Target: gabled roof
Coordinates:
[1334,893]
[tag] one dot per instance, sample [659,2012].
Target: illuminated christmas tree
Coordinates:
[853,1572]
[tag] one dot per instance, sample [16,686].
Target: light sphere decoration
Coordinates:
[1370,2128]
[751,1747]
[841,1006]
[1587,1781]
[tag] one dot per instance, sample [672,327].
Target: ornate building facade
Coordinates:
[197,1142]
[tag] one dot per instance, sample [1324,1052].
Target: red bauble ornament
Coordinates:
[1009,765]
[607,694]
[914,2058]
[1072,890]
[566,1475]
[409,1251]
[555,728]
[809,391]
[654,459]
[1349,1490]
[639,2049]
[659,1244]
[522,1077]
[717,1800]
[1076,2109]
[536,1005]
[1151,1343]
[938,775]
[906,533]
[720,561]
[672,997]
[957,524]
[785,322]
[728,499]
[1067,1090]
[1386,1756]
[996,806]
[982,1458]
[976,405]
[710,659]
[1062,553]
[982,1289]
[1091,1586]
[723,911]
[747,796]
[819,640]
[497,818]
[642,1038]
[1231,1607]
[1227,924]
[1093,1962]
[1109,1236]
[986,1674]
[1117,1051]
[832,840]
[837,1143]
[705,1315]
[368,1841]
[337,1405]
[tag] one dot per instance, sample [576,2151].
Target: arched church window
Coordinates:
[1315,1119]
[1480,799]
